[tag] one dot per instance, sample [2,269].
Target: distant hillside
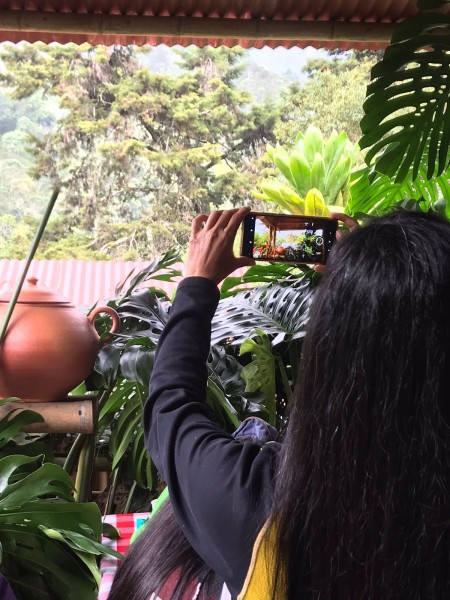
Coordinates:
[266,73]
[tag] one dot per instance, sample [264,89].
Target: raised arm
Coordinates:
[220,488]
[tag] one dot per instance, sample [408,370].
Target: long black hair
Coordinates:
[362,493]
[160,552]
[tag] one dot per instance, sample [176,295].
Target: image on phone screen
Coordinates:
[288,238]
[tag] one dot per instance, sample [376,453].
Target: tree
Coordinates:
[135,147]
[19,194]
[331,99]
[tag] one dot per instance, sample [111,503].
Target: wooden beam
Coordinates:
[139,27]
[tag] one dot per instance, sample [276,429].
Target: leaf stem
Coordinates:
[85,468]
[112,491]
[284,379]
[130,497]
[74,453]
[293,358]
[31,253]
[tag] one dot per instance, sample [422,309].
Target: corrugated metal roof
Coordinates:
[83,282]
[355,23]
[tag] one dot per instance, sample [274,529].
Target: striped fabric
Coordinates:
[126,525]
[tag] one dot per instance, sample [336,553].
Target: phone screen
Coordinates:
[287,238]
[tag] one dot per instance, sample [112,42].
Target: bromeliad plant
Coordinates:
[255,335]
[49,543]
[315,174]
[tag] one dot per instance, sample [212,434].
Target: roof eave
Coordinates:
[140,30]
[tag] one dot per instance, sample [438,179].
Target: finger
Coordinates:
[236,218]
[213,218]
[225,217]
[348,221]
[197,224]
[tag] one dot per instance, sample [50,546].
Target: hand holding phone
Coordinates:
[297,239]
[210,253]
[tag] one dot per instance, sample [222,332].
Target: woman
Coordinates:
[161,564]
[355,502]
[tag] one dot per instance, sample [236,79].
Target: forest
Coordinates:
[141,140]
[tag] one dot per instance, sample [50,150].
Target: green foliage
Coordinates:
[331,98]
[15,237]
[19,193]
[280,309]
[315,173]
[408,102]
[49,543]
[140,152]
[123,369]
[262,84]
[238,385]
[259,374]
[374,193]
[135,149]
[31,115]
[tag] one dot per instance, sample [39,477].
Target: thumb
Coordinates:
[244,261]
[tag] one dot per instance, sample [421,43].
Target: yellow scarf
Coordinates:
[259,580]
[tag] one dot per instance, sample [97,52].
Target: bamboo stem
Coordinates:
[77,416]
[143,26]
[31,253]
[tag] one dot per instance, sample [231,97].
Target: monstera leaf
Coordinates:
[259,374]
[407,120]
[227,391]
[259,274]
[49,542]
[143,313]
[279,310]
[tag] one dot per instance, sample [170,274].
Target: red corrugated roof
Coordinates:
[83,282]
[228,22]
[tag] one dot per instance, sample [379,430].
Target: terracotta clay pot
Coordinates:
[49,347]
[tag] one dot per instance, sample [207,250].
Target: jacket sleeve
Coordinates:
[220,488]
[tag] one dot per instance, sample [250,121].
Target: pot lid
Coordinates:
[32,293]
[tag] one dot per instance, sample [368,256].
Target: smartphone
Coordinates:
[298,239]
